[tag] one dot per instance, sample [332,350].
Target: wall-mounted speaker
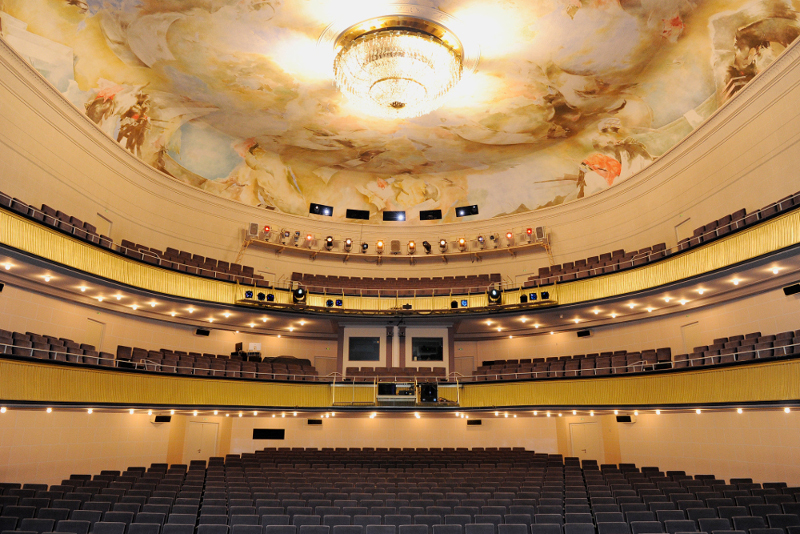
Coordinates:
[584,333]
[202,332]
[792,290]
[160,418]
[315,422]
[428,393]
[474,422]
[523,299]
[626,419]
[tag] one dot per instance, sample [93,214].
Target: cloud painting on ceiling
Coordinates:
[570,97]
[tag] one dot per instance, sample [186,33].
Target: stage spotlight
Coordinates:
[443,245]
[495,296]
[285,236]
[412,247]
[261,296]
[532,297]
[267,232]
[348,244]
[523,299]
[329,243]
[427,247]
[248,294]
[299,296]
[310,240]
[464,303]
[545,295]
[481,241]
[454,304]
[297,238]
[379,247]
[529,234]
[509,238]
[329,303]
[339,303]
[462,244]
[364,248]
[270,298]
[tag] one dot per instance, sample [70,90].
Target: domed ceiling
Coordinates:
[235,97]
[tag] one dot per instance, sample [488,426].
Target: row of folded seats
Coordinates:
[171,259]
[597,364]
[202,364]
[609,262]
[187,262]
[260,491]
[397,287]
[369,374]
[738,220]
[44,347]
[741,348]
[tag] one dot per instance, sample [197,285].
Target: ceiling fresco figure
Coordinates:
[570,97]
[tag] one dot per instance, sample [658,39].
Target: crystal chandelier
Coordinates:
[399,70]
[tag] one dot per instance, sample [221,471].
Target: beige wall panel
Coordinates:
[53,155]
[42,448]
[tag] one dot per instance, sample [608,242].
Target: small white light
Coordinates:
[252,325]
[190,310]
[506,414]
[574,412]
[263,319]
[227,415]
[658,412]
[8,268]
[291,329]
[735,281]
[278,334]
[417,415]
[83,289]
[273,415]
[515,416]
[240,414]
[210,319]
[510,337]
[216,412]
[775,270]
[701,290]
[489,323]
[333,414]
[616,412]
[551,332]
[787,409]
[100,299]
[739,410]
[683,302]
[47,278]
[135,307]
[536,326]
[153,304]
[636,412]
[149,412]
[496,414]
[591,413]
[613,315]
[667,299]
[3,409]
[467,417]
[535,413]
[172,412]
[560,414]
[295,414]
[118,297]
[698,412]
[283,414]
[631,305]
[49,410]
[457,414]
[302,323]
[194,413]
[524,320]
[89,410]
[649,310]
[226,314]
[577,321]
[255,413]
[596,312]
[548,414]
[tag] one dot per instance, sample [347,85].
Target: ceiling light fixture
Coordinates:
[399,66]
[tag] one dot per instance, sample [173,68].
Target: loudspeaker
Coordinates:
[1,287]
[387,389]
[474,422]
[584,333]
[454,305]
[202,332]
[625,419]
[523,299]
[160,418]
[428,393]
[315,421]
[792,290]
[540,233]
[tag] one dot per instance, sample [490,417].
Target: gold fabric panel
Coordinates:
[40,382]
[34,382]
[775,381]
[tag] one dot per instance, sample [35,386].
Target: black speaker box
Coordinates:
[428,393]
[202,332]
[162,419]
[584,333]
[792,290]
[474,422]
[623,419]
[523,299]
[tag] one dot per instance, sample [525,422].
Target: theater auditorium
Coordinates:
[399,267]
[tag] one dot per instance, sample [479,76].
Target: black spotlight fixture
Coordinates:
[339,303]
[454,305]
[523,299]
[407,306]
[270,298]
[348,244]
[364,248]
[261,296]
[299,296]
[248,294]
[443,245]
[545,295]
[495,296]
[329,243]
[329,303]
[464,303]
[532,297]
[427,247]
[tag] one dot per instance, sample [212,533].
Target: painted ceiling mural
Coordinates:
[570,97]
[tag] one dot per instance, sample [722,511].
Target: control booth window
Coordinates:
[365,349]
[427,349]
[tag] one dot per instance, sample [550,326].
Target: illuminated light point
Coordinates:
[613,315]
[524,320]
[535,413]
[135,307]
[118,297]
[194,413]
[515,416]
[8,268]
[701,290]
[130,411]
[226,314]
[210,319]
[658,412]
[240,414]
[536,326]
[273,415]
[283,414]
[263,319]
[417,415]
[551,332]
[649,310]
[466,416]
[152,304]
[574,412]
[489,323]
[596,312]
[99,299]
[735,281]
[49,410]
[560,414]
[252,325]
[548,414]
[333,414]
[295,414]
[698,411]
[190,310]
[506,415]
[787,409]
[278,334]
[3,409]
[302,323]
[172,412]
[510,337]
[82,288]
[636,412]
[291,329]
[149,412]
[457,414]
[227,415]
[739,410]
[683,302]
[591,413]
[775,270]
[667,299]
[47,278]
[174,314]
[499,329]
[255,413]
[89,410]
[577,321]
[631,305]
[616,412]
[216,412]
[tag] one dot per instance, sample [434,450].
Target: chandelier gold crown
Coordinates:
[398,66]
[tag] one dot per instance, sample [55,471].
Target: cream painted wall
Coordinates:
[770,312]
[762,445]
[411,333]
[23,310]
[42,448]
[52,154]
[401,431]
